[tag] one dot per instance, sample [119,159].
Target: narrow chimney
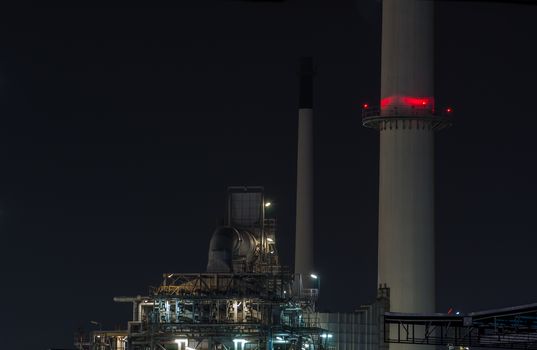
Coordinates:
[304,193]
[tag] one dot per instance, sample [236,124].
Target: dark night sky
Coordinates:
[121,128]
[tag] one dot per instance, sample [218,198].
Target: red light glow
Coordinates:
[407,101]
[449,109]
[386,102]
[366,105]
[416,101]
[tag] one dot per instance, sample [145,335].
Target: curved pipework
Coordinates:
[244,246]
[228,244]
[221,250]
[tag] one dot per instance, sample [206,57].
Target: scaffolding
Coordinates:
[211,311]
[256,304]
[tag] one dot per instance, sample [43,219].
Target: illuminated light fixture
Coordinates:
[239,343]
[284,292]
[270,240]
[280,339]
[180,342]
[268,204]
[170,275]
[326,335]
[449,110]
[314,276]
[365,106]
[98,336]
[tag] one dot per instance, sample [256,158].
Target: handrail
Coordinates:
[375,117]
[395,111]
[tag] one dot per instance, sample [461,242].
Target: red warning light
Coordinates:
[365,105]
[415,101]
[407,101]
[387,102]
[449,110]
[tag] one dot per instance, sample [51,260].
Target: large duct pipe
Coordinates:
[304,200]
[221,250]
[229,244]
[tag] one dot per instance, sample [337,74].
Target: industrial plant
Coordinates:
[245,300]
[248,300]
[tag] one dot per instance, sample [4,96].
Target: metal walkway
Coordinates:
[509,328]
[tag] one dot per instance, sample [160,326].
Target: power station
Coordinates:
[248,300]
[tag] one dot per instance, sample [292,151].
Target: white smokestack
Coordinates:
[406,121]
[406,184]
[304,200]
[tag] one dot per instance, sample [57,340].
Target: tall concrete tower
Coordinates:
[304,181]
[406,121]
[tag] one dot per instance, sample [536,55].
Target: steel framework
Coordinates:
[247,300]
[509,328]
[218,311]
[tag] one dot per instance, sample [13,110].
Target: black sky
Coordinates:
[122,126]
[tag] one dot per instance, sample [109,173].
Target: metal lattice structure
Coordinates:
[211,311]
[509,328]
[246,300]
